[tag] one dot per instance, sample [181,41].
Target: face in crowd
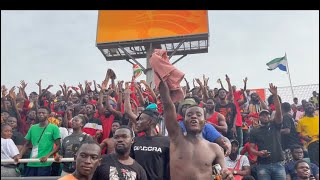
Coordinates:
[123,139]
[194,119]
[43,114]
[88,158]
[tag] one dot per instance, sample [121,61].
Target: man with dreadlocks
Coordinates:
[152,150]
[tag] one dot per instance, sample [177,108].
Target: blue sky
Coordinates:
[59,46]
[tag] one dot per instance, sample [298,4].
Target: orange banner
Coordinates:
[127,25]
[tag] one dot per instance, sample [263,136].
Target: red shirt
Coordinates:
[106,124]
[237,96]
[246,149]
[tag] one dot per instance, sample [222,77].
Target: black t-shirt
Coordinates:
[288,140]
[111,169]
[17,138]
[229,111]
[268,138]
[152,153]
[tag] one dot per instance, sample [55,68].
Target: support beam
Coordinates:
[149,71]
[133,59]
[176,49]
[179,59]
[128,60]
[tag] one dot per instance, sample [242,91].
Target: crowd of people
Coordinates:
[129,130]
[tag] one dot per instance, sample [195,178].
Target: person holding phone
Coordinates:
[268,139]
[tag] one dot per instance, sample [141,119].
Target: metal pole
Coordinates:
[289,77]
[149,71]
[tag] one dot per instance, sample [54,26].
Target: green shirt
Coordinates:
[46,142]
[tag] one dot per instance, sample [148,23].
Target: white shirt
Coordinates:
[8,149]
[63,132]
[232,164]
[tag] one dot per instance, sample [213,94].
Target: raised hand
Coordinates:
[104,85]
[273,89]
[111,74]
[163,87]
[12,94]
[227,78]
[199,82]
[219,81]
[4,90]
[23,84]
[50,86]
[245,80]
[205,80]
[39,83]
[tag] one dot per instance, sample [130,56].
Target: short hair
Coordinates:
[126,127]
[4,125]
[82,117]
[270,99]
[46,108]
[221,89]
[154,114]
[299,162]
[90,142]
[117,121]
[34,93]
[194,105]
[295,146]
[93,106]
[286,107]
[295,98]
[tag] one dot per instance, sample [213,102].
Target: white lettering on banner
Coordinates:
[147,148]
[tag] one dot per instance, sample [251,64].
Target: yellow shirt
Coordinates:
[309,126]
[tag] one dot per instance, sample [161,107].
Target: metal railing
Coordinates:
[11,161]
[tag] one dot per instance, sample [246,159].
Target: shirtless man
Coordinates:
[109,142]
[191,157]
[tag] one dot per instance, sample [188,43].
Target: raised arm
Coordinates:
[140,96]
[110,108]
[244,100]
[187,85]
[39,85]
[149,89]
[23,89]
[230,94]
[127,108]
[169,113]
[278,115]
[13,98]
[245,84]
[3,98]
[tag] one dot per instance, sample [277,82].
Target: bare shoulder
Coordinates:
[214,146]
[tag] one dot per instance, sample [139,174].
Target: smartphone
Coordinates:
[268,153]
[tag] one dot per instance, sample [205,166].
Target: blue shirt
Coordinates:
[290,169]
[208,132]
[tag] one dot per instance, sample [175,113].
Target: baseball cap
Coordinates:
[264,111]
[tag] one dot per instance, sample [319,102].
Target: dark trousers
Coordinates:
[239,135]
[313,152]
[56,169]
[38,171]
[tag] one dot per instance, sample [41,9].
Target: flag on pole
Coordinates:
[137,71]
[280,63]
